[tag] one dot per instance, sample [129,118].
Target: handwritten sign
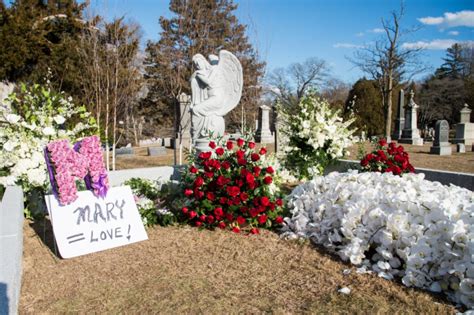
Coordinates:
[91,224]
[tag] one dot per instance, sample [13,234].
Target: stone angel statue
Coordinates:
[216,87]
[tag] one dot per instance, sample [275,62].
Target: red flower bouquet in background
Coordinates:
[231,187]
[387,158]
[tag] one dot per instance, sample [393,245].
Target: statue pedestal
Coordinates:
[202,145]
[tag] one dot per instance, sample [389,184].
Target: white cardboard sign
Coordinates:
[91,224]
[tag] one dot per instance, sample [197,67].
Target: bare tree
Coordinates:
[290,85]
[111,77]
[389,61]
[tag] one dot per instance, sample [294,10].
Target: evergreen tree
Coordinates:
[366,107]
[38,35]
[198,26]
[453,63]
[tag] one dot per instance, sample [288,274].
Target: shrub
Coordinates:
[399,226]
[156,202]
[314,137]
[232,187]
[387,158]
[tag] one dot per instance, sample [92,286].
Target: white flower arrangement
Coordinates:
[407,227]
[314,135]
[30,120]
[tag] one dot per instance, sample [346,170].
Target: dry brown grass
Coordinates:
[186,270]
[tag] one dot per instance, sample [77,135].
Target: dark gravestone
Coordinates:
[441,145]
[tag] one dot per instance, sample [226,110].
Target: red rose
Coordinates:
[241,220]
[269,170]
[218,212]
[253,212]
[263,151]
[239,182]
[198,194]
[184,210]
[256,171]
[251,145]
[205,155]
[244,209]
[236,229]
[209,174]
[222,200]
[241,161]
[382,142]
[271,206]
[210,219]
[396,170]
[198,223]
[411,169]
[229,217]
[240,142]
[364,162]
[400,149]
[225,165]
[221,180]
[244,196]
[221,225]
[252,185]
[262,219]
[264,201]
[249,178]
[210,195]
[188,192]
[233,191]
[279,220]
[255,157]
[193,169]
[370,157]
[202,217]
[229,145]
[192,214]
[240,154]
[254,231]
[279,202]
[236,201]
[198,181]
[212,145]
[219,151]
[268,180]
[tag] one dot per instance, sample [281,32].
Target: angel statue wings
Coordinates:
[216,87]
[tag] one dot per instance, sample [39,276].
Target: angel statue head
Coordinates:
[216,90]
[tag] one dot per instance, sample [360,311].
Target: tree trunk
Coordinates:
[388,122]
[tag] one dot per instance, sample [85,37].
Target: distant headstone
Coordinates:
[441,145]
[263,134]
[465,129]
[460,148]
[410,133]
[156,151]
[124,151]
[400,121]
[168,143]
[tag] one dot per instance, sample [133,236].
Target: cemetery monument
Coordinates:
[441,145]
[410,133]
[216,89]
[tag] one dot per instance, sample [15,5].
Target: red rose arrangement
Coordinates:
[229,187]
[387,158]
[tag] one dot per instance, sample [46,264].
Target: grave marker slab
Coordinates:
[441,145]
